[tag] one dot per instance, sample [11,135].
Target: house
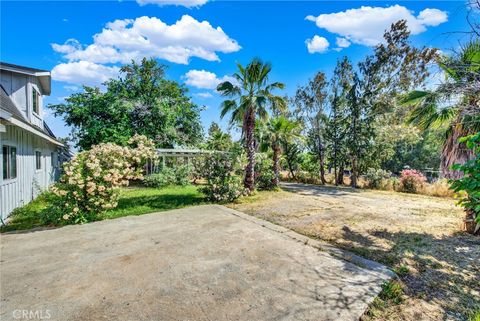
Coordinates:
[29,158]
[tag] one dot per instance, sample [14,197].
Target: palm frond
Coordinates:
[227,106]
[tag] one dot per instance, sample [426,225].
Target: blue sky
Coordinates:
[201,41]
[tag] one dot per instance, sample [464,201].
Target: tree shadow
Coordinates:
[442,268]
[339,292]
[318,190]
[164,202]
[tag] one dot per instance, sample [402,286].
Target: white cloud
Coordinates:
[317,44]
[184,3]
[204,95]
[83,73]
[71,88]
[432,17]
[366,25]
[205,79]
[342,42]
[123,40]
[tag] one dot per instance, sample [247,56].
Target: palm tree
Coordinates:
[461,118]
[250,96]
[277,131]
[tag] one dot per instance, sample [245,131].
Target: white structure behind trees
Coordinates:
[29,150]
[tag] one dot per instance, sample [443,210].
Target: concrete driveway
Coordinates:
[198,263]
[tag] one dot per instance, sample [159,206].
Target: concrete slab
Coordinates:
[198,263]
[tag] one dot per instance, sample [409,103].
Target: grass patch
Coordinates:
[392,294]
[257,196]
[402,270]
[133,201]
[475,315]
[28,216]
[143,200]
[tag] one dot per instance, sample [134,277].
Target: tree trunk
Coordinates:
[276,165]
[354,174]
[249,181]
[339,177]
[321,160]
[454,152]
[471,225]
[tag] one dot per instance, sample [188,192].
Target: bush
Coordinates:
[183,174]
[440,188]
[376,177]
[411,181]
[161,179]
[178,175]
[264,175]
[469,185]
[223,182]
[90,183]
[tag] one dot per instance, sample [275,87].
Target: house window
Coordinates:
[9,154]
[35,101]
[52,159]
[38,160]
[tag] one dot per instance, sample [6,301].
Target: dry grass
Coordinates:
[417,236]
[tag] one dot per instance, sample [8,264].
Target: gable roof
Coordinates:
[9,106]
[44,76]
[18,67]
[10,112]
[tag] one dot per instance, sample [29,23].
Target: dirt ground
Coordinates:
[417,236]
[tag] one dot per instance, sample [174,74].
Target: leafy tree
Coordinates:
[141,101]
[250,98]
[394,68]
[310,102]
[214,127]
[433,108]
[217,139]
[336,126]
[280,129]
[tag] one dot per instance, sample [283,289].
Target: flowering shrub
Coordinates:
[223,184]
[90,183]
[376,178]
[411,181]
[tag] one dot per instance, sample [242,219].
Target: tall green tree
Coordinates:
[140,101]
[432,109]
[310,102]
[337,124]
[250,97]
[394,68]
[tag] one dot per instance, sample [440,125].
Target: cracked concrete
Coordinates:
[198,263]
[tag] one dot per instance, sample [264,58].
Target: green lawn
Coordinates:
[133,201]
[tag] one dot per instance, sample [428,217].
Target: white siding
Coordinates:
[29,181]
[19,88]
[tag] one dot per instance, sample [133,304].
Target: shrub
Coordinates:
[310,165]
[411,181]
[264,175]
[178,175]
[223,182]
[375,177]
[440,188]
[90,183]
[469,184]
[183,174]
[161,179]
